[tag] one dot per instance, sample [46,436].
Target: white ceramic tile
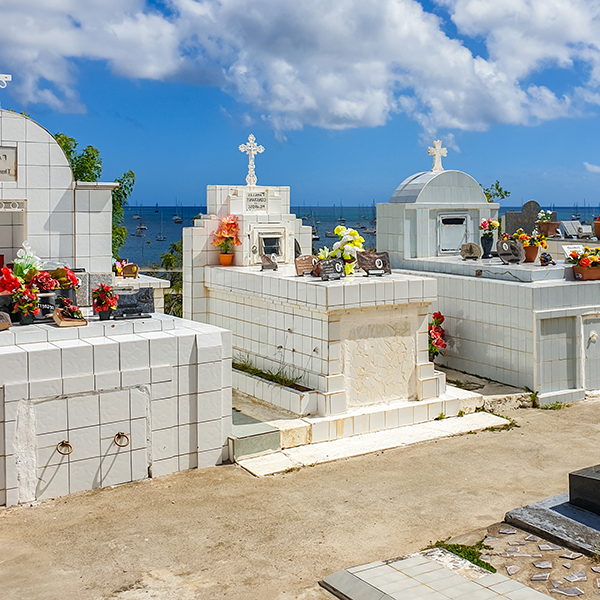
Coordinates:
[83,411]
[84,475]
[85,442]
[51,415]
[52,481]
[115,469]
[114,406]
[164,443]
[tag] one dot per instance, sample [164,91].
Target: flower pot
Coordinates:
[548,228]
[531,253]
[26,319]
[597,229]
[225,259]
[104,315]
[586,274]
[47,303]
[487,242]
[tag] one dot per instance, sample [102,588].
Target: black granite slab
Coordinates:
[584,489]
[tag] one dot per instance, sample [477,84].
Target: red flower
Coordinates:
[585,262]
[438,318]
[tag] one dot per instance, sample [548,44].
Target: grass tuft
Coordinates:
[470,553]
[555,406]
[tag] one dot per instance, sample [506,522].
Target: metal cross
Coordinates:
[4,79]
[437,152]
[251,148]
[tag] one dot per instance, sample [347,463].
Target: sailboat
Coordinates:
[161,237]
[176,218]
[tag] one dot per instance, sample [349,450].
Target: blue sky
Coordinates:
[345,96]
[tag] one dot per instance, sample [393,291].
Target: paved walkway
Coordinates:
[421,578]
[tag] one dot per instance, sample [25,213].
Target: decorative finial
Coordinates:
[4,79]
[437,152]
[251,148]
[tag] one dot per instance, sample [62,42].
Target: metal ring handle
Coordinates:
[119,436]
[64,444]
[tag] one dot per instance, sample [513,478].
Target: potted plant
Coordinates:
[437,335]
[26,304]
[546,225]
[67,314]
[67,283]
[104,301]
[531,243]
[46,285]
[488,226]
[586,263]
[226,237]
[350,243]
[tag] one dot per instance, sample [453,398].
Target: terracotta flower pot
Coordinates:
[531,253]
[548,228]
[597,229]
[586,274]
[225,259]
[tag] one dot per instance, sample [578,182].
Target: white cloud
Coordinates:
[325,63]
[591,168]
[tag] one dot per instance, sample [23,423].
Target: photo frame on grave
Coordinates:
[567,249]
[332,269]
[470,251]
[134,303]
[510,252]
[374,263]
[305,264]
[268,263]
[130,270]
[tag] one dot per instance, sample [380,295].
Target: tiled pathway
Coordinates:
[421,578]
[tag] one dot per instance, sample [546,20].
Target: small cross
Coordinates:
[4,79]
[251,148]
[437,152]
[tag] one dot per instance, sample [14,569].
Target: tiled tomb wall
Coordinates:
[539,335]
[357,341]
[164,382]
[64,220]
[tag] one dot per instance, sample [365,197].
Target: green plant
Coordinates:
[471,553]
[461,413]
[533,396]
[555,406]
[170,268]
[281,377]
[495,192]
[440,417]
[506,427]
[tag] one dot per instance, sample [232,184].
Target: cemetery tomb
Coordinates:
[517,323]
[356,344]
[108,402]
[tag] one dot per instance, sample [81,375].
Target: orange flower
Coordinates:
[585,262]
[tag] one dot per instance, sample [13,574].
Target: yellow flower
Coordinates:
[525,243]
[353,232]
[339,229]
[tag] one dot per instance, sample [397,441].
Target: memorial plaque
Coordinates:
[305,264]
[584,489]
[4,320]
[256,201]
[332,269]
[524,219]
[8,164]
[374,263]
[567,249]
[510,252]
[268,263]
[470,251]
[134,303]
[130,270]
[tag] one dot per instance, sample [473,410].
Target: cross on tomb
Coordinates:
[4,79]
[437,152]
[251,148]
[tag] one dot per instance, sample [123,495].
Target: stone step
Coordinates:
[250,437]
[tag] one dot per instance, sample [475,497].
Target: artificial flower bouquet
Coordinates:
[545,216]
[104,298]
[588,258]
[226,235]
[437,335]
[350,243]
[9,282]
[535,239]
[43,281]
[488,226]
[26,261]
[66,278]
[26,301]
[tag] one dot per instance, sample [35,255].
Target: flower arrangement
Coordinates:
[350,243]
[226,235]
[545,216]
[488,226]
[535,239]
[118,265]
[437,334]
[104,298]
[68,308]
[66,278]
[587,258]
[9,283]
[26,301]
[25,261]
[43,281]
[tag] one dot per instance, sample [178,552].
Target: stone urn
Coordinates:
[548,228]
[487,243]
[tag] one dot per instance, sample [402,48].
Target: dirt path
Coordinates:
[221,533]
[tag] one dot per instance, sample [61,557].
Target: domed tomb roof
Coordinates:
[445,187]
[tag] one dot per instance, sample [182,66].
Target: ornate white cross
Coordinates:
[251,148]
[4,79]
[437,152]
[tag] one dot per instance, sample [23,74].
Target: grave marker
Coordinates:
[374,263]
[510,252]
[524,219]
[305,264]
[332,269]
[269,263]
[134,303]
[470,251]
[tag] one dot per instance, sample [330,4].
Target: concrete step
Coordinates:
[251,437]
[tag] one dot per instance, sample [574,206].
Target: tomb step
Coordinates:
[251,437]
[294,458]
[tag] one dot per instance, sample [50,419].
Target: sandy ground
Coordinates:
[221,533]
